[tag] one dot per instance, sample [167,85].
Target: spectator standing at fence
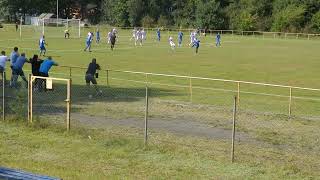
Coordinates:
[17,70]
[13,57]
[35,66]
[91,74]
[3,61]
[45,68]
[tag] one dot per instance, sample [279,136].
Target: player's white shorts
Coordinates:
[172,44]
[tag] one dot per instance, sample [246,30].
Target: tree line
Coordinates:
[264,15]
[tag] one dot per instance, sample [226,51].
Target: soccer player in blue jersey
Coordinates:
[180,37]
[158,34]
[98,36]
[196,44]
[89,41]
[218,40]
[42,46]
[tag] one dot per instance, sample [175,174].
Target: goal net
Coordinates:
[56,27]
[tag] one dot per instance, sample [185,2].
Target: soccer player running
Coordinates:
[218,40]
[109,36]
[134,32]
[196,44]
[172,44]
[91,75]
[144,35]
[98,36]
[138,38]
[89,41]
[42,46]
[158,34]
[192,38]
[113,38]
[180,37]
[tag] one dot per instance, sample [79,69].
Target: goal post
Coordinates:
[49,27]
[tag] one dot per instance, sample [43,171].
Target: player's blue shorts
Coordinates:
[42,48]
[88,43]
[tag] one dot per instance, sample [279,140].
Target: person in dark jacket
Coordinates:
[113,38]
[92,74]
[35,66]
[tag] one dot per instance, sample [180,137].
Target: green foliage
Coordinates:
[208,14]
[315,21]
[115,12]
[135,10]
[290,18]
[147,21]
[264,15]
[163,21]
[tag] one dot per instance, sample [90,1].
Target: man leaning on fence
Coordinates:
[92,74]
[45,68]
[17,70]
[35,66]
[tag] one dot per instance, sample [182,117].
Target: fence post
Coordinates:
[30,99]
[70,72]
[233,128]
[190,89]
[146,117]
[290,101]
[107,78]
[68,103]
[238,93]
[3,95]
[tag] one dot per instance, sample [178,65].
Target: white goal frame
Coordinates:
[66,22]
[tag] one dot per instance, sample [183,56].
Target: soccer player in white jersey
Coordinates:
[138,38]
[109,37]
[134,32]
[172,44]
[114,31]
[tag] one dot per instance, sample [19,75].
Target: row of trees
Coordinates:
[266,15]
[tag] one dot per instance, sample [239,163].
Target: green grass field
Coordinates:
[277,61]
[270,145]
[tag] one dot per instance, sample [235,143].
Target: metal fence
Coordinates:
[33,31]
[273,119]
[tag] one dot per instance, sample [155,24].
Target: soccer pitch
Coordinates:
[278,61]
[292,62]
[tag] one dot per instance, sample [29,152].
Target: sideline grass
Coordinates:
[116,153]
